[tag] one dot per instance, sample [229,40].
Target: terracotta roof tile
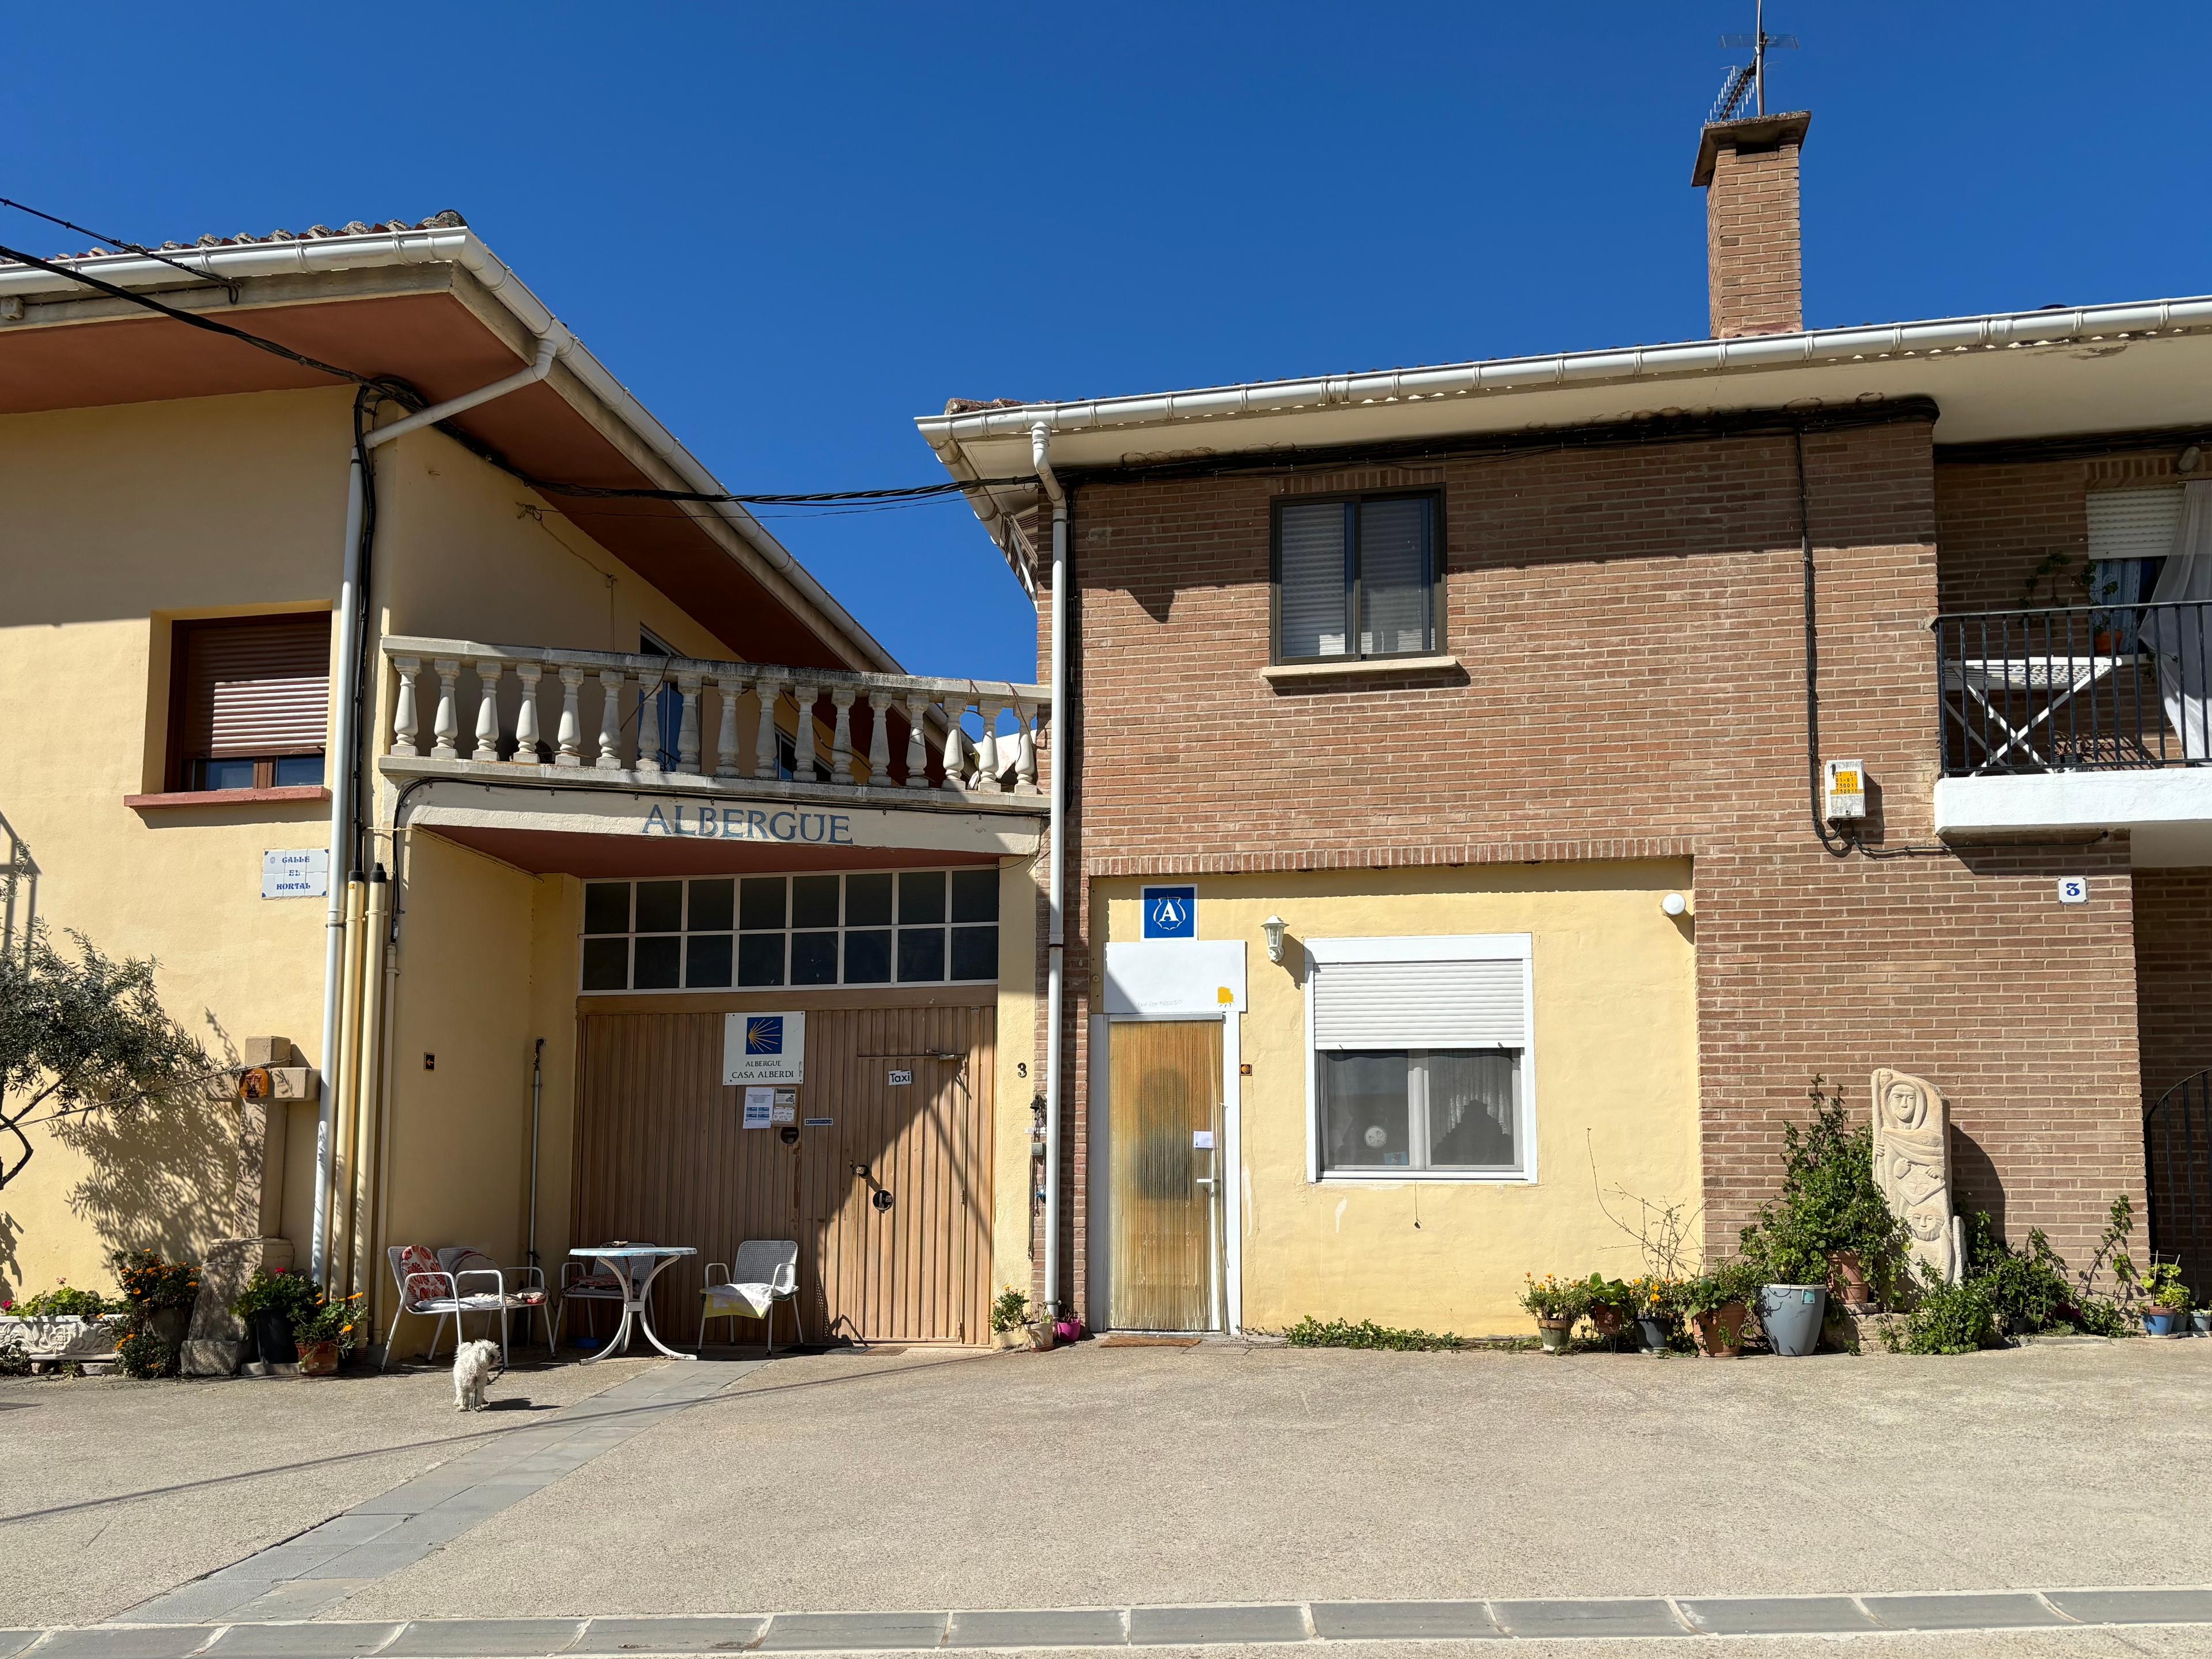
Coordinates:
[449,220]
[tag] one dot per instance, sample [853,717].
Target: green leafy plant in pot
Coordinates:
[1608,1304]
[325,1332]
[1829,1208]
[1655,1303]
[1557,1303]
[1718,1302]
[268,1304]
[2166,1299]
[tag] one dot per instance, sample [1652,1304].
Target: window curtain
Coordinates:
[2180,636]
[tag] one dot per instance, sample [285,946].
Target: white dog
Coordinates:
[475,1365]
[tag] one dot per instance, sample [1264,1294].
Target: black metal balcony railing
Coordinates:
[2103,688]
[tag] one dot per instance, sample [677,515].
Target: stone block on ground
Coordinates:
[216,1340]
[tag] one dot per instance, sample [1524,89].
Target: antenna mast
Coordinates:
[1748,80]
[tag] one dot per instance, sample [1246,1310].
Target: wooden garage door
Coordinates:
[662,1157]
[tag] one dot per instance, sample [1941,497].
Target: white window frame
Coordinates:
[1415,948]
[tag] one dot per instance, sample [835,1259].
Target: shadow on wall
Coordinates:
[164,1176]
[1975,1183]
[11,1266]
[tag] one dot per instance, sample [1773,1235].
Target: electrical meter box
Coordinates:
[1846,781]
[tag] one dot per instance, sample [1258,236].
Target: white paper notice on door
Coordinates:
[1201,1140]
[760,1108]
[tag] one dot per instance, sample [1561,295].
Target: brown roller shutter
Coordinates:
[256,686]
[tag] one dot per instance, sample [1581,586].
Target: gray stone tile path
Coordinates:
[306,1575]
[1272,1624]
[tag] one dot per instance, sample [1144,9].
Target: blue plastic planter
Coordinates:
[2158,1324]
[1790,1314]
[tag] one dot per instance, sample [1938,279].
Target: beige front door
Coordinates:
[1164,1134]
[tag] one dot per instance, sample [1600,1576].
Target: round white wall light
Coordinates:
[1674,904]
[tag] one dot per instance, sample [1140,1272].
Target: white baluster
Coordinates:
[610,685]
[687,727]
[648,720]
[802,747]
[488,676]
[1026,778]
[879,741]
[840,736]
[986,750]
[568,740]
[956,744]
[446,727]
[771,692]
[917,745]
[403,706]
[526,719]
[729,689]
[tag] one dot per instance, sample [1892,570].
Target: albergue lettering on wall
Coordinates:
[784,825]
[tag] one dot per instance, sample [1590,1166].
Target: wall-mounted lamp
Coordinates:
[1272,928]
[2191,459]
[1674,904]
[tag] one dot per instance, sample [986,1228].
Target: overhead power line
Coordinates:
[892,493]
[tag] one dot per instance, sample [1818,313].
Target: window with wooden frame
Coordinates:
[249,702]
[1357,576]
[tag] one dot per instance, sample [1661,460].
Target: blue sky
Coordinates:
[791,229]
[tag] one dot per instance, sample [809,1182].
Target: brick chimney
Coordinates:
[1754,274]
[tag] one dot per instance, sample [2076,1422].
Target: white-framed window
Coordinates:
[1418,1058]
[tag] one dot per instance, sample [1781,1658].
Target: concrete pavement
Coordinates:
[1098,1476]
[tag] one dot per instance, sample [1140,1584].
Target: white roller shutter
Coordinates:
[2133,524]
[1420,1004]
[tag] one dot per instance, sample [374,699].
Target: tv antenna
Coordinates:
[1748,80]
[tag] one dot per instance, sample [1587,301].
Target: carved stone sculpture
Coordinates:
[1912,1166]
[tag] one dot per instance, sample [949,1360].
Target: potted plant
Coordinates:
[1793,1291]
[64,1323]
[1010,1316]
[1830,1219]
[267,1305]
[1717,1302]
[1653,1301]
[2166,1299]
[161,1293]
[1608,1305]
[325,1332]
[1557,1303]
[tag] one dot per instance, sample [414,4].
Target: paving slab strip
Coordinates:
[1596,1619]
[307,1575]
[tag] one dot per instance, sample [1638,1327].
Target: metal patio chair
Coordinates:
[585,1282]
[766,1273]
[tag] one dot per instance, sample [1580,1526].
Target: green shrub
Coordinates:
[1010,1311]
[2027,1288]
[1947,1319]
[285,1294]
[1311,1333]
[1720,1283]
[139,1353]
[149,1283]
[1828,1203]
[1553,1297]
[64,1301]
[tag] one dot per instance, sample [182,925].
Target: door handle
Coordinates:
[1202,1181]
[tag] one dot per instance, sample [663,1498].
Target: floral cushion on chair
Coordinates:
[420,1278]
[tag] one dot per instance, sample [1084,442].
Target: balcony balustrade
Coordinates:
[632,718]
[2109,688]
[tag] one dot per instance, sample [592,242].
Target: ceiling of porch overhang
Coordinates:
[433,341]
[547,851]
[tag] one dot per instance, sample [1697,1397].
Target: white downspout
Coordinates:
[1055,858]
[347,742]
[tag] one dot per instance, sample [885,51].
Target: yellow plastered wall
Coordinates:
[113,521]
[113,524]
[1614,1060]
[1020,999]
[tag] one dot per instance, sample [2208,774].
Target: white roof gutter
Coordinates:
[461,246]
[1998,331]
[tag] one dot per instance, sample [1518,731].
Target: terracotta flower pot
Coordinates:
[1847,1279]
[318,1359]
[1554,1334]
[1607,1320]
[1719,1333]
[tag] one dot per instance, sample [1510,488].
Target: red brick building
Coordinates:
[1463,681]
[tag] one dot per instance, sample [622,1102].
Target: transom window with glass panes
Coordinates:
[756,933]
[1356,577]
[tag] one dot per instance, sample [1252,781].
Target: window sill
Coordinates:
[1350,667]
[189,798]
[1405,1177]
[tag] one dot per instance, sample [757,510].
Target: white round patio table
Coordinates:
[636,1266]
